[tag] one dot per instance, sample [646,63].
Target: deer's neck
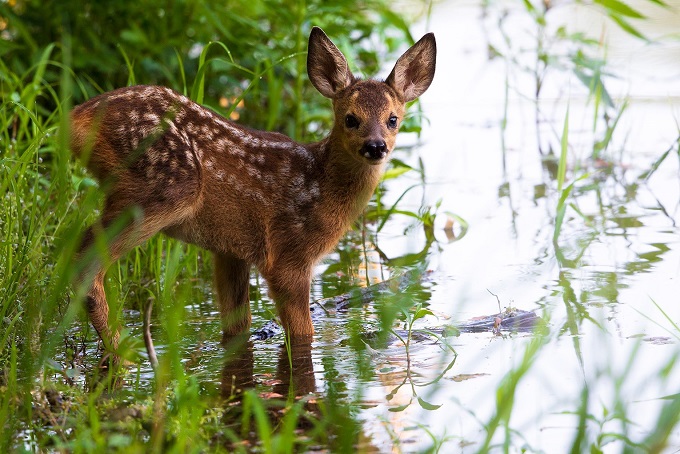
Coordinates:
[347,181]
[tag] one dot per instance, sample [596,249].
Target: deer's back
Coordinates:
[161,148]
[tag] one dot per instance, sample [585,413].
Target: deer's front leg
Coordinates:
[232,278]
[289,288]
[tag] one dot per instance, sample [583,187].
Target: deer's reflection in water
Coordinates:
[294,376]
[292,391]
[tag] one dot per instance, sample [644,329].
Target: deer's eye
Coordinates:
[392,122]
[351,121]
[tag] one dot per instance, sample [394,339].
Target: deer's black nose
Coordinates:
[374,149]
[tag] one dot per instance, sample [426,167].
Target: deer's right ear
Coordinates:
[326,66]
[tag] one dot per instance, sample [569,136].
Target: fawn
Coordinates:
[250,197]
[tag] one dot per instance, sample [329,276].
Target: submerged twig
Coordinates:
[148,341]
[510,319]
[497,299]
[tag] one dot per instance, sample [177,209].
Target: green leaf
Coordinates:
[52,364]
[198,89]
[399,408]
[594,83]
[394,172]
[389,213]
[561,210]
[427,405]
[660,3]
[627,27]
[450,331]
[621,8]
[529,6]
[119,441]
[422,313]
[464,225]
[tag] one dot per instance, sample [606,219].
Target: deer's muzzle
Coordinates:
[374,150]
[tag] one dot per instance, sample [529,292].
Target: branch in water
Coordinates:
[148,341]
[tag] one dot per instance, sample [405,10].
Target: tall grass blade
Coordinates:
[129,65]
[561,175]
[564,146]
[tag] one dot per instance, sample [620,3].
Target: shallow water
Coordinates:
[608,291]
[601,287]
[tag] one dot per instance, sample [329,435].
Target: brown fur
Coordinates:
[250,197]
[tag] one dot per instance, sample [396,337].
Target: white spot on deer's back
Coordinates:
[149,91]
[230,128]
[253,172]
[223,143]
[151,118]
[268,180]
[302,198]
[207,132]
[176,96]
[179,116]
[257,158]
[255,195]
[314,190]
[200,111]
[123,94]
[285,167]
[191,128]
[302,152]
[298,181]
[164,104]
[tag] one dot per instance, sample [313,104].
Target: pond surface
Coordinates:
[608,289]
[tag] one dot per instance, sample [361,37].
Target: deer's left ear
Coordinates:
[414,71]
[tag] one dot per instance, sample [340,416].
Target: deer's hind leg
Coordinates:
[126,222]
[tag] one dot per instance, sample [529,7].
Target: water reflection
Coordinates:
[238,370]
[294,376]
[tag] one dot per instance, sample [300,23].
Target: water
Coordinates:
[620,262]
[609,290]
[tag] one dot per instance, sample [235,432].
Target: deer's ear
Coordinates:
[326,66]
[414,71]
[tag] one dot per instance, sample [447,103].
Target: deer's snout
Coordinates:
[374,150]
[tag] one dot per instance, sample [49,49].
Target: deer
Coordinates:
[252,198]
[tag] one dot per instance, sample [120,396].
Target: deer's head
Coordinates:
[368,112]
